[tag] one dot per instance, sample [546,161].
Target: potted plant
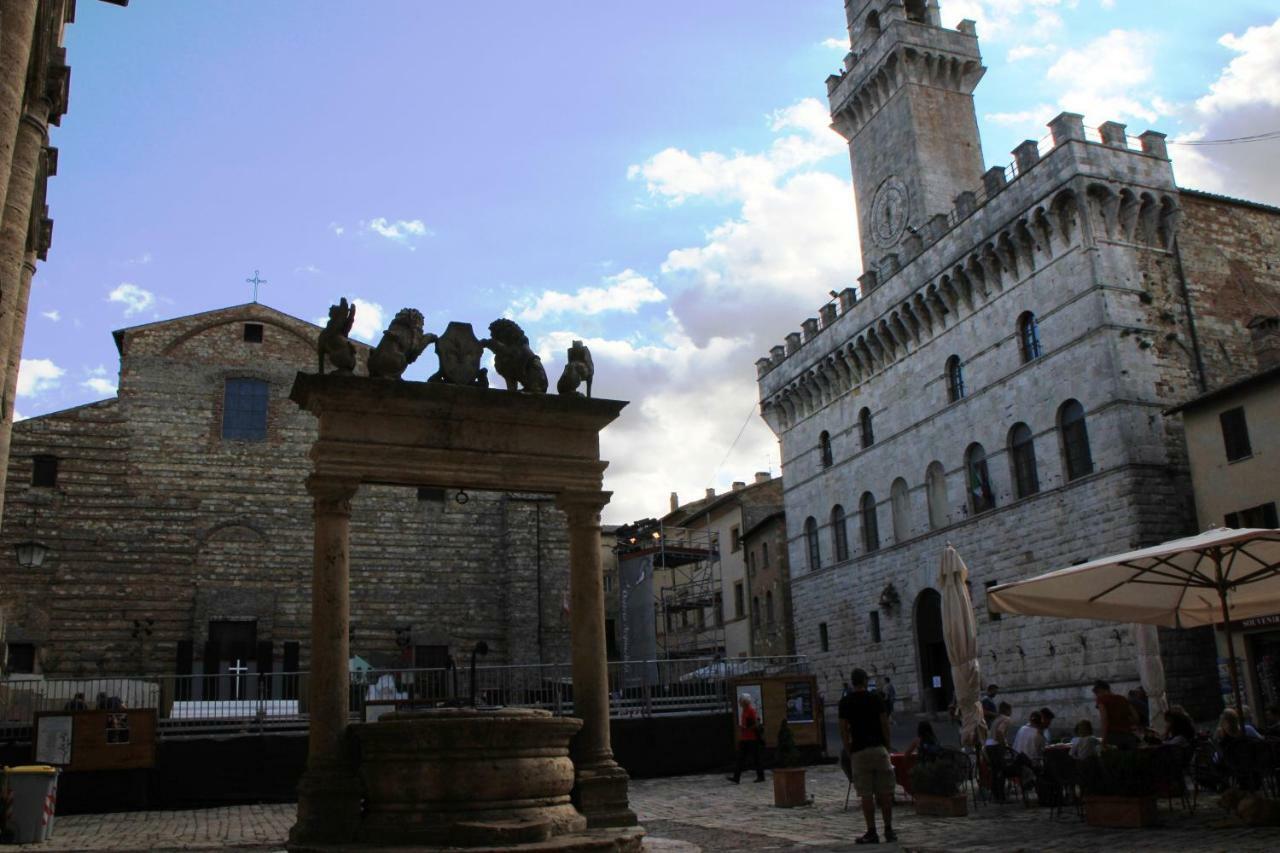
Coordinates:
[788,778]
[936,791]
[1119,788]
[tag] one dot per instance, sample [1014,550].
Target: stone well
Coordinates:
[467,777]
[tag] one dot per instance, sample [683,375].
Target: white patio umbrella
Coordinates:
[1151,673]
[1216,577]
[960,630]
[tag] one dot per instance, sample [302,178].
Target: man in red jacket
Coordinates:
[749,731]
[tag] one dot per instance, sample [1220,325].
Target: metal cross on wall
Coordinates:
[255,281]
[236,671]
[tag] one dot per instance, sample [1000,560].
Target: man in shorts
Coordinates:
[864,729]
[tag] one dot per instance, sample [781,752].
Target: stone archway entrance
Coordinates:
[450,436]
[931,652]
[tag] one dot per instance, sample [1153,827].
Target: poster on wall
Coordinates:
[799,702]
[753,691]
[53,740]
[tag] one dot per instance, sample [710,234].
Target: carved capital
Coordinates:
[332,497]
[583,508]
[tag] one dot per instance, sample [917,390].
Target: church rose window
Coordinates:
[244,410]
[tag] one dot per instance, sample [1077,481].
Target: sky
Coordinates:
[657,179]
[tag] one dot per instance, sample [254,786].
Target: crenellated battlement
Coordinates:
[1058,192]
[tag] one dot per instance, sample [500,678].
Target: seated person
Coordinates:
[1029,740]
[1084,744]
[998,732]
[1271,725]
[1178,729]
[1047,717]
[1119,720]
[1229,728]
[926,743]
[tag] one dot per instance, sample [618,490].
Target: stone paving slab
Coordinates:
[709,813]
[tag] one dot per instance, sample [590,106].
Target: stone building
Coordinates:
[769,574]
[998,377]
[180,531]
[35,83]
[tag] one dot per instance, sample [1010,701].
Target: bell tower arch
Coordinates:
[905,105]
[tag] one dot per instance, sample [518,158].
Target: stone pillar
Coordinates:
[18,23]
[601,785]
[329,793]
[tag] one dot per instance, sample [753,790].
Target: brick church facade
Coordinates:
[180,532]
[1000,377]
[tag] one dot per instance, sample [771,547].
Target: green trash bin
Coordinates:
[30,794]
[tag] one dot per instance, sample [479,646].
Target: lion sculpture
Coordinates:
[401,344]
[578,370]
[514,359]
[333,340]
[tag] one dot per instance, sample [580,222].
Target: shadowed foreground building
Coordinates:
[180,530]
[998,378]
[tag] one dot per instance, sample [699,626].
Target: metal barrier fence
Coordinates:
[187,703]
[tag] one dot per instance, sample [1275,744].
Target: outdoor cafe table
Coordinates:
[902,764]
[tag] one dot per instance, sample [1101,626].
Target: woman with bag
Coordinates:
[750,736]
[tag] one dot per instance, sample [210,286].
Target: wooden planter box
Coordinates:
[1120,812]
[937,805]
[788,787]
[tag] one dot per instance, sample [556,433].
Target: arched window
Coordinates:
[1022,458]
[955,379]
[811,543]
[768,608]
[900,500]
[1029,337]
[935,481]
[839,534]
[864,426]
[870,530]
[1075,440]
[824,448]
[873,22]
[981,498]
[915,11]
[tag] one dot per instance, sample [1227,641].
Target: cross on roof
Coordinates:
[255,281]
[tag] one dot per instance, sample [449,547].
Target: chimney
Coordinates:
[763,476]
[738,485]
[675,502]
[1265,332]
[711,493]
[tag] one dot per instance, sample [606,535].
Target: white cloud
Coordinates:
[370,322]
[624,292]
[1030,51]
[134,299]
[99,385]
[1244,100]
[1003,20]
[37,375]
[309,269]
[140,260]
[402,231]
[1107,79]
[337,229]
[841,43]
[52,314]
[1035,117]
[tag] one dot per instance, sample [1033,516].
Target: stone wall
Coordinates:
[158,525]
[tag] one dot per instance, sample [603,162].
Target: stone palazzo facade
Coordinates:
[180,529]
[998,379]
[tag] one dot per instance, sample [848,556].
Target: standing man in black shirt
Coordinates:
[864,728]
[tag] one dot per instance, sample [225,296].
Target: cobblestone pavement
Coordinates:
[710,813]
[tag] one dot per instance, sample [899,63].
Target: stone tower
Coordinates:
[905,104]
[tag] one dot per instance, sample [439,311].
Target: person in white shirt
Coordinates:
[1084,744]
[1028,743]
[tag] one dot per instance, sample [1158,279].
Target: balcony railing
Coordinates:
[257,701]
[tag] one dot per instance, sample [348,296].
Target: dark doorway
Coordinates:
[935,668]
[230,654]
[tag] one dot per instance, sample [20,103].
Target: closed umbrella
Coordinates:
[960,630]
[1216,577]
[1151,673]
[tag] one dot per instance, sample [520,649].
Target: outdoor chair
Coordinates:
[1248,763]
[1003,764]
[1062,778]
[964,770]
[1169,764]
[1206,771]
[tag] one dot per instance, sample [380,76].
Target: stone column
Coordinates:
[17,28]
[329,793]
[601,785]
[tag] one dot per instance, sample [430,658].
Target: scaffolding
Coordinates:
[688,604]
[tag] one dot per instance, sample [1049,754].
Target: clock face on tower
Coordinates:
[889,212]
